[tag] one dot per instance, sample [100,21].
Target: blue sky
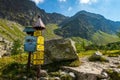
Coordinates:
[110,9]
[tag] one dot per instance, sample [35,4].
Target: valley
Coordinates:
[85,46]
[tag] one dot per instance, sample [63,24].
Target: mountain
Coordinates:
[85,24]
[25,12]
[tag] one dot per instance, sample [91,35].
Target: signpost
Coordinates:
[34,44]
[38,58]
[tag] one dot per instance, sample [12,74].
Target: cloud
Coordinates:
[70,8]
[62,0]
[87,1]
[38,1]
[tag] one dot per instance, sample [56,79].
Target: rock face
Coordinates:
[5,47]
[25,12]
[59,50]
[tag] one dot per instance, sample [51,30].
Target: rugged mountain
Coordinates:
[25,12]
[85,24]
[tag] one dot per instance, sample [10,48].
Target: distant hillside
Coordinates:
[100,38]
[11,30]
[49,34]
[84,24]
[25,12]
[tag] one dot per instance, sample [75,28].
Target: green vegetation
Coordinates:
[11,67]
[64,76]
[72,63]
[97,58]
[11,30]
[113,74]
[80,43]
[86,53]
[16,47]
[14,67]
[49,32]
[101,38]
[106,53]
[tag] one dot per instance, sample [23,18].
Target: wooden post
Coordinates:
[29,60]
[38,72]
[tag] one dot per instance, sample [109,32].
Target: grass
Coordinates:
[111,53]
[10,67]
[101,38]
[115,53]
[49,32]
[11,30]
[86,53]
[113,75]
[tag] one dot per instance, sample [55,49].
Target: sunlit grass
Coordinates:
[104,52]
[86,53]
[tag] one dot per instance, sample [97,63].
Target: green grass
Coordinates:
[106,53]
[111,53]
[86,53]
[49,32]
[7,62]
[11,30]
[101,38]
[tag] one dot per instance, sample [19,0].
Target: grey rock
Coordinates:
[59,50]
[112,66]
[72,74]
[56,78]
[97,54]
[44,78]
[104,75]
[116,70]
[43,73]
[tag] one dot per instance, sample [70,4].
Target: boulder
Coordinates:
[59,50]
[97,56]
[114,73]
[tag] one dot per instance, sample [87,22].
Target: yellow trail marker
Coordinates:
[38,57]
[38,62]
[40,40]
[37,33]
[40,47]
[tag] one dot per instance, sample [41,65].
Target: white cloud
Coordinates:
[62,0]
[70,8]
[38,1]
[87,1]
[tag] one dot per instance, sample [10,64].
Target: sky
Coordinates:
[110,9]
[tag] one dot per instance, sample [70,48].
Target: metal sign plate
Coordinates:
[37,33]
[38,58]
[40,47]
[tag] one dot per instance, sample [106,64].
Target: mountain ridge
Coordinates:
[25,12]
[84,24]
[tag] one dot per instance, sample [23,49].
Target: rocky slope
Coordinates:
[96,70]
[9,31]
[25,12]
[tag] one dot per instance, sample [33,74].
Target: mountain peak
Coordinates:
[89,14]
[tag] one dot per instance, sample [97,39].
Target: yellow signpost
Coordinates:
[38,56]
